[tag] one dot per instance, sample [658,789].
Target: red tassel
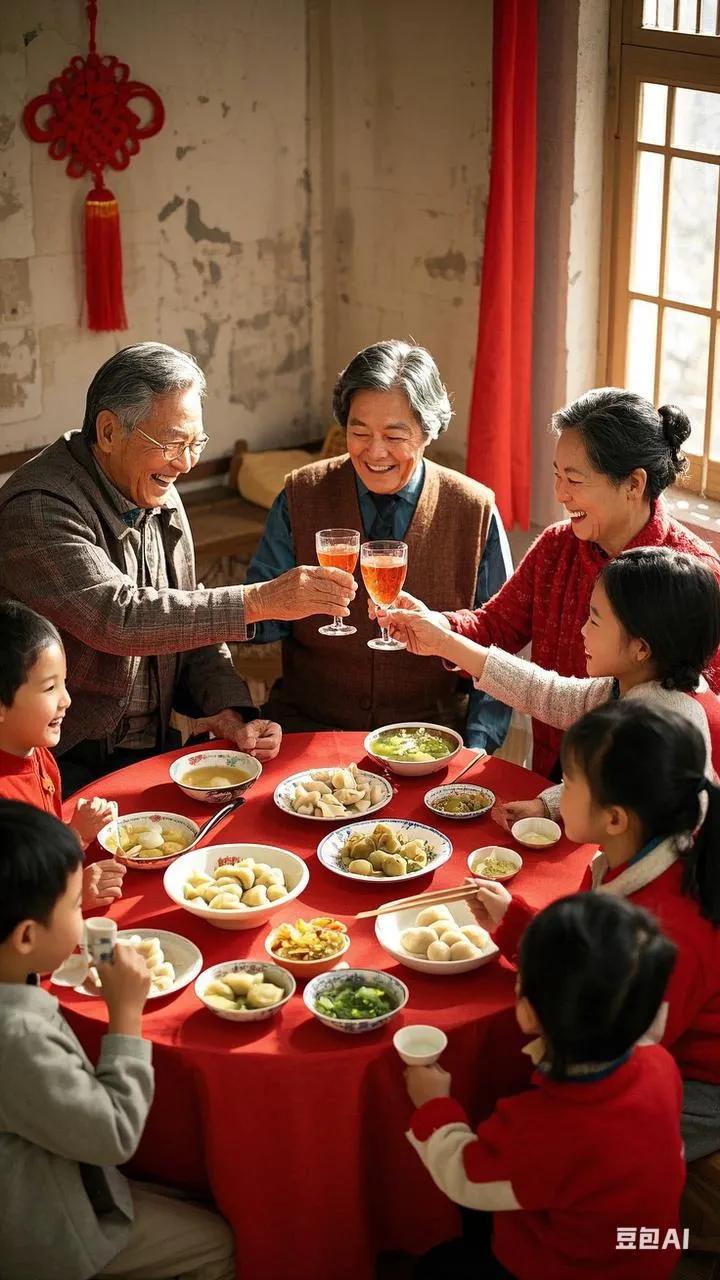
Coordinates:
[103,262]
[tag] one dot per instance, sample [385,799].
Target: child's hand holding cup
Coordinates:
[125,980]
[420,1047]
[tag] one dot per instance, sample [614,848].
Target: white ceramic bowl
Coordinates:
[183,827]
[285,790]
[390,926]
[526,828]
[294,870]
[304,969]
[415,768]
[327,982]
[498,851]
[481,795]
[329,850]
[219,760]
[420,1046]
[271,973]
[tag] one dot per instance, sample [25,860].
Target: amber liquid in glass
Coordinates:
[339,558]
[384,578]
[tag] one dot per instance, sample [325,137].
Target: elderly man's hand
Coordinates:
[259,738]
[299,593]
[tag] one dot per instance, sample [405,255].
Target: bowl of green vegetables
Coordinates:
[414,748]
[355,1000]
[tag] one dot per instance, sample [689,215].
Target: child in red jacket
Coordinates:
[635,785]
[569,1171]
[33,702]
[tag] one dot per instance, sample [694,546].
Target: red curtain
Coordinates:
[499,441]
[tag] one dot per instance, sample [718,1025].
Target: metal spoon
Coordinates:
[213,822]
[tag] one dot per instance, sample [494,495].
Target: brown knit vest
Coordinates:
[340,682]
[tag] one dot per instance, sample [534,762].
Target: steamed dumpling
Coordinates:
[238,984]
[417,940]
[475,934]
[151,839]
[263,994]
[431,915]
[275,892]
[256,897]
[377,793]
[343,779]
[438,951]
[394,865]
[360,867]
[451,936]
[463,950]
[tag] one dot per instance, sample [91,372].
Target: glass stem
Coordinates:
[385,635]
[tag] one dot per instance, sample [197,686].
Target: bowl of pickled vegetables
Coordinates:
[355,1000]
[459,800]
[414,748]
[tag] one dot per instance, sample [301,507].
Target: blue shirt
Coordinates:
[487,720]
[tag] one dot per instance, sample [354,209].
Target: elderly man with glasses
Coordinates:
[94,536]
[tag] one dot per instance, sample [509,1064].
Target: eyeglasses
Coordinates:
[174,452]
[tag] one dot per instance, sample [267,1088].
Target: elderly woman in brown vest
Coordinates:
[392,403]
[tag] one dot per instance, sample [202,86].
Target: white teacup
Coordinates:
[100,938]
[420,1046]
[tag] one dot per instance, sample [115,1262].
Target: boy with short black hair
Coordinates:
[64,1125]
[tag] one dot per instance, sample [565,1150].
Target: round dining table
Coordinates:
[296,1130]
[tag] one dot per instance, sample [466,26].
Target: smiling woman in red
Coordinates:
[615,454]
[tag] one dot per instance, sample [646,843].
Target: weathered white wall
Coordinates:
[214,215]
[406,96]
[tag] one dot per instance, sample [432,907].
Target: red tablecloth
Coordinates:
[298,1130]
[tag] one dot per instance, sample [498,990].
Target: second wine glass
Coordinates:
[337,549]
[383,566]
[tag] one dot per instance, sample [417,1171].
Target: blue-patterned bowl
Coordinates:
[220,760]
[326,983]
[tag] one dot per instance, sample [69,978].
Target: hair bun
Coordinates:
[676,425]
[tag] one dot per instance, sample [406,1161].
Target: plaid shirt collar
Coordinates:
[131,517]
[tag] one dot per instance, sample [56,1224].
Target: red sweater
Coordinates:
[692,1032]
[546,602]
[34,779]
[575,1160]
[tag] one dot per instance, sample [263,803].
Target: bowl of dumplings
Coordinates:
[148,841]
[373,852]
[215,777]
[437,939]
[235,886]
[333,793]
[244,990]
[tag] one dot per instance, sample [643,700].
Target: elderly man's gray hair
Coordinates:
[396,366]
[130,380]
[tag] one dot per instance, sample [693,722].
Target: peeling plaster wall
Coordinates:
[406,138]
[214,214]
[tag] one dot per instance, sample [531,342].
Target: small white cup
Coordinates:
[100,939]
[420,1046]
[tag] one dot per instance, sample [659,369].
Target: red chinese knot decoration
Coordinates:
[92,125]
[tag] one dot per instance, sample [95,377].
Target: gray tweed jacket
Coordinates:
[66,551]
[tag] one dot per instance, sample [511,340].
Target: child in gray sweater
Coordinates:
[67,1213]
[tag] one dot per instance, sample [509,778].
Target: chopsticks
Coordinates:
[479,755]
[430,899]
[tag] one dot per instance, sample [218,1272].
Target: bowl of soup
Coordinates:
[215,777]
[413,748]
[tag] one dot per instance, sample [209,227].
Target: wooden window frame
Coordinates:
[637,54]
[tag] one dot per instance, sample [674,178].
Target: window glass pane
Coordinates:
[687,14]
[647,229]
[641,342]
[649,18]
[715,432]
[683,369]
[653,108]
[696,121]
[666,14]
[691,232]
[708,17]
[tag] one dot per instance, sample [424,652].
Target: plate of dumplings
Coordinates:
[173,961]
[439,939]
[384,852]
[333,794]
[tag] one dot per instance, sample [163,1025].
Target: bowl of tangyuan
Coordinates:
[413,748]
[215,777]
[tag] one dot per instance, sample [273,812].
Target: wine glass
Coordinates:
[337,549]
[383,566]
